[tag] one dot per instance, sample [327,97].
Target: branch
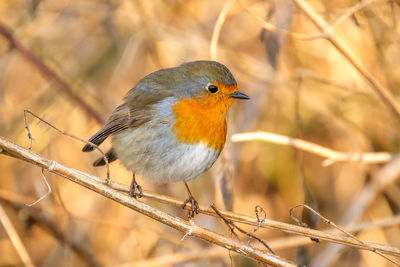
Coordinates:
[296,241]
[345,50]
[48,73]
[331,156]
[100,186]
[273,28]
[331,223]
[387,175]
[218,27]
[267,224]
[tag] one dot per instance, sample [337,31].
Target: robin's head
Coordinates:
[208,91]
[209,82]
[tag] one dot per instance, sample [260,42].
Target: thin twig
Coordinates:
[257,211]
[329,222]
[14,237]
[268,224]
[350,11]
[296,241]
[113,191]
[97,184]
[218,27]
[226,221]
[48,73]
[306,37]
[30,136]
[108,179]
[45,195]
[52,210]
[276,244]
[331,155]
[386,175]
[273,28]
[231,225]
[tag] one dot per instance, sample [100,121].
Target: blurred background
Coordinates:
[299,88]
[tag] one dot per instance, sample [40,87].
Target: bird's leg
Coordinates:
[134,189]
[194,204]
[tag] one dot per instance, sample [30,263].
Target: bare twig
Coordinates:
[231,225]
[45,195]
[14,237]
[51,210]
[48,73]
[273,28]
[226,221]
[257,211]
[381,179]
[345,50]
[276,244]
[218,27]
[268,224]
[385,176]
[69,135]
[30,136]
[350,11]
[96,184]
[296,241]
[306,37]
[279,243]
[329,222]
[331,155]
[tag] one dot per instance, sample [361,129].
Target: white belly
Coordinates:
[158,157]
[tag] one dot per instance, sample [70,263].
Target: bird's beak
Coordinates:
[239,95]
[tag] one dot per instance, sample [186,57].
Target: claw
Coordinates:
[194,205]
[135,190]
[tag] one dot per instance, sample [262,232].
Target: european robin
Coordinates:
[172,124]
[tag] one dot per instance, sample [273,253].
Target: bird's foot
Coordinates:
[194,209]
[135,190]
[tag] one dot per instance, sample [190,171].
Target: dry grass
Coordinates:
[302,84]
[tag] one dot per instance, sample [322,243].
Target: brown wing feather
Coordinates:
[122,118]
[137,107]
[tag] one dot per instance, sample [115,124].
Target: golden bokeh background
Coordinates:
[300,88]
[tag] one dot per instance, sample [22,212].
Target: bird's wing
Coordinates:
[136,110]
[122,118]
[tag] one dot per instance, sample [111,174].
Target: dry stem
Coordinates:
[99,185]
[218,27]
[329,222]
[331,155]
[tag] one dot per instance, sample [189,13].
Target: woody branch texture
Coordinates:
[321,128]
[100,186]
[114,191]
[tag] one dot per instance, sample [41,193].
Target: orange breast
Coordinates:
[202,120]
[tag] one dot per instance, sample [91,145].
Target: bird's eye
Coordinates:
[212,89]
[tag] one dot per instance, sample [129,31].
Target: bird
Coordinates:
[171,125]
